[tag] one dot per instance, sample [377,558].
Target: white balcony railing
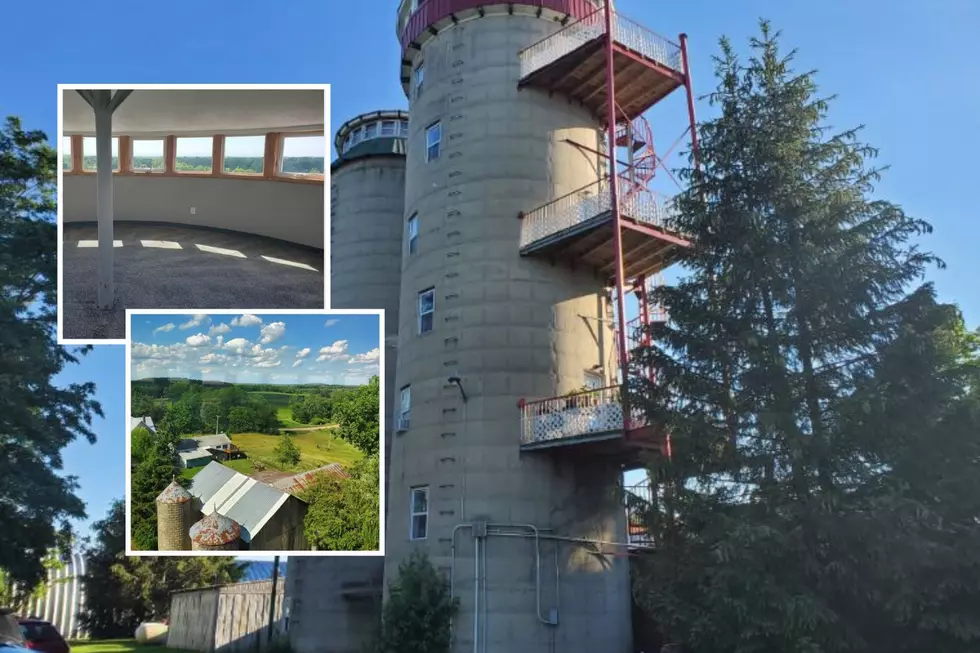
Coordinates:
[586,203]
[626,32]
[590,412]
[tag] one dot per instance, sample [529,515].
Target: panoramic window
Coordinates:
[419,524]
[419,79]
[405,408]
[433,137]
[403,128]
[302,155]
[243,155]
[427,309]
[147,155]
[370,130]
[194,154]
[388,128]
[413,234]
[66,153]
[88,153]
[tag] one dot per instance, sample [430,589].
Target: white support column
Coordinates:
[103,157]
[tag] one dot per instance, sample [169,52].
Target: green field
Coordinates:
[280,401]
[317,448]
[118,646]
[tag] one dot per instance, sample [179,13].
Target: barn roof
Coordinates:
[298,482]
[203,442]
[236,496]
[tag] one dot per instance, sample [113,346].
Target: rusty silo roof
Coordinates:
[215,530]
[174,493]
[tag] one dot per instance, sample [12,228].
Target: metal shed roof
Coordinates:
[203,442]
[298,482]
[236,496]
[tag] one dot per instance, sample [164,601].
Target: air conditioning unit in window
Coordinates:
[401,424]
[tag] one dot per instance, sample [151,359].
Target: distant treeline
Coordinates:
[162,387]
[239,164]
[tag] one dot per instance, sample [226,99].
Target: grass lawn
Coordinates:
[118,646]
[285,415]
[317,448]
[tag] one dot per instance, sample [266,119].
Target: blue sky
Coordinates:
[259,347]
[905,69]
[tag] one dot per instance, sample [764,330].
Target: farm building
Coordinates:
[194,452]
[299,482]
[265,518]
[145,422]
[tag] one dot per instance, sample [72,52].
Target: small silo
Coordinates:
[175,514]
[215,533]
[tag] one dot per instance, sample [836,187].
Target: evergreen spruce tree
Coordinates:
[152,475]
[824,489]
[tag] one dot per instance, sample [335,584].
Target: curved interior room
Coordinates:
[189,199]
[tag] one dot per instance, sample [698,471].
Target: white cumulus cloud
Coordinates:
[303,353]
[367,357]
[247,320]
[331,322]
[238,345]
[335,352]
[272,332]
[197,320]
[297,363]
[199,340]
[166,328]
[218,329]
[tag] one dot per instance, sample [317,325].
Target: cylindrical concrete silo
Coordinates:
[215,532]
[338,599]
[175,514]
[504,327]
[368,223]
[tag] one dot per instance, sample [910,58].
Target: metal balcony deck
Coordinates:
[590,423]
[578,229]
[572,62]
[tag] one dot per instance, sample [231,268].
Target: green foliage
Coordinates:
[287,453]
[356,411]
[151,476]
[313,409]
[143,405]
[140,443]
[38,419]
[825,482]
[419,610]
[121,591]
[343,513]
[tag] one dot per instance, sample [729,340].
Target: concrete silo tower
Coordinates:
[511,357]
[175,514]
[215,532]
[338,599]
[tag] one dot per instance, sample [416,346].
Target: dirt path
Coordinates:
[304,429]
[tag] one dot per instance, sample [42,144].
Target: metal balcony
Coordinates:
[638,500]
[647,67]
[577,228]
[591,422]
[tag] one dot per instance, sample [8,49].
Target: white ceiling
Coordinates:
[201,112]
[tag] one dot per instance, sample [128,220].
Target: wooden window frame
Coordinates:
[270,164]
[287,176]
[244,175]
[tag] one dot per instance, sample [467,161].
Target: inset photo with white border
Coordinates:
[254,432]
[188,196]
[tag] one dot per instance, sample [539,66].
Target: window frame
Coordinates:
[438,143]
[403,419]
[431,311]
[224,155]
[412,513]
[119,152]
[151,171]
[69,152]
[412,226]
[201,173]
[300,176]
[418,80]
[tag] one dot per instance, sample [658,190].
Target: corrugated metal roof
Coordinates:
[236,496]
[298,482]
[196,454]
[203,442]
[141,421]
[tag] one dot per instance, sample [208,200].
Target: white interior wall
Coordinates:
[285,210]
